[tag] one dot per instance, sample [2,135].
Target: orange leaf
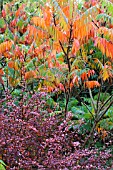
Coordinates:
[90,72]
[91,84]
[71,85]
[13,64]
[75,47]
[1,81]
[84,76]
[20,10]
[50,89]
[105,46]
[66,11]
[30,74]
[1,74]
[47,14]
[5,46]
[75,80]
[38,21]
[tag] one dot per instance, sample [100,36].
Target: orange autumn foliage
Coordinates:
[13,64]
[91,84]
[30,74]
[1,74]
[105,46]
[5,46]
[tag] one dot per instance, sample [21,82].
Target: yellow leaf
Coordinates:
[105,74]
[13,82]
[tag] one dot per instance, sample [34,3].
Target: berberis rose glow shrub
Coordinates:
[31,139]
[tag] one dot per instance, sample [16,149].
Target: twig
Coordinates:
[88,109]
[105,102]
[90,93]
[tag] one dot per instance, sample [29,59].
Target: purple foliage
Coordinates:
[31,139]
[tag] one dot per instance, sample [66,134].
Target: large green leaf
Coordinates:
[2,167]
[1,162]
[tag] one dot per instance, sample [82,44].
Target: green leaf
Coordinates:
[87,116]
[1,162]
[50,102]
[73,102]
[59,55]
[20,23]
[105,17]
[11,72]
[8,34]
[108,5]
[30,66]
[2,23]
[2,167]
[16,92]
[76,110]
[24,47]
[2,38]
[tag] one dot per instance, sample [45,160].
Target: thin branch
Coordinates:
[60,10]
[1,6]
[62,48]
[106,109]
[98,98]
[3,86]
[59,40]
[108,89]
[90,135]
[95,24]
[54,19]
[92,100]
[105,102]
[68,48]
[88,109]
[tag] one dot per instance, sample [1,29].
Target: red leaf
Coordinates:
[3,13]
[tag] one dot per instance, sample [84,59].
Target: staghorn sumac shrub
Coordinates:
[31,139]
